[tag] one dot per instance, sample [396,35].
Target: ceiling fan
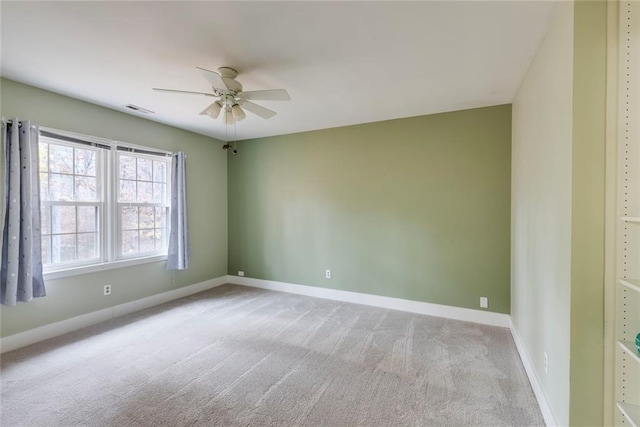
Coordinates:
[232,100]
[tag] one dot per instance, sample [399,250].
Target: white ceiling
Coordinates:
[342,62]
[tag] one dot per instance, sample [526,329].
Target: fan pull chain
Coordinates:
[235,139]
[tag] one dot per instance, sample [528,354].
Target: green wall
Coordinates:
[588,206]
[415,208]
[207,210]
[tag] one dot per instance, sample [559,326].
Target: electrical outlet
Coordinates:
[327,274]
[484,302]
[240,273]
[546,363]
[107,289]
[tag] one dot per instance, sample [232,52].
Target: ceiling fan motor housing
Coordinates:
[228,76]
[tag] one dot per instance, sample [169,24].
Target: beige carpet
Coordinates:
[237,356]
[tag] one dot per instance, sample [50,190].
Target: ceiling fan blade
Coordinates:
[258,110]
[183,91]
[266,95]
[213,78]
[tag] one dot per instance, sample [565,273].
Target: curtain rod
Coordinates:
[9,122]
[95,144]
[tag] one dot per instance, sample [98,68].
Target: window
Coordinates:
[71,203]
[142,205]
[102,202]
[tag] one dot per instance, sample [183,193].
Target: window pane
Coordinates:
[127,167]
[69,174]
[127,191]
[129,218]
[161,240]
[43,154]
[145,192]
[161,218]
[129,241]
[146,217]
[86,189]
[45,220]
[87,246]
[147,240]
[46,249]
[44,186]
[159,193]
[60,158]
[63,248]
[159,171]
[87,219]
[63,219]
[144,169]
[85,162]
[61,187]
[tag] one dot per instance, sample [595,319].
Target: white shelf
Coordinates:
[630,218]
[631,413]
[633,284]
[630,348]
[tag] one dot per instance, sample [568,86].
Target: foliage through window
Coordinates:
[100,204]
[71,202]
[142,204]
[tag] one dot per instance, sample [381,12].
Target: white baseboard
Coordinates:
[153,300]
[32,336]
[457,313]
[541,397]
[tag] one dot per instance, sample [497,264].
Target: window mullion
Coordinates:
[76,214]
[113,183]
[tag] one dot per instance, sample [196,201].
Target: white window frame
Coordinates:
[109,233]
[101,159]
[116,205]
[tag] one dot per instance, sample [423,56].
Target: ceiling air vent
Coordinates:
[138,109]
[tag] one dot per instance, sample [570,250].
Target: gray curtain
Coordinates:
[21,264]
[179,252]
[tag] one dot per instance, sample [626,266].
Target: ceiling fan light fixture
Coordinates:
[227,117]
[238,114]
[213,110]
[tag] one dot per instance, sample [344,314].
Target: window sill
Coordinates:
[75,271]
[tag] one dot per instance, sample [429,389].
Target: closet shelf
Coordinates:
[633,284]
[630,218]
[630,412]
[630,348]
